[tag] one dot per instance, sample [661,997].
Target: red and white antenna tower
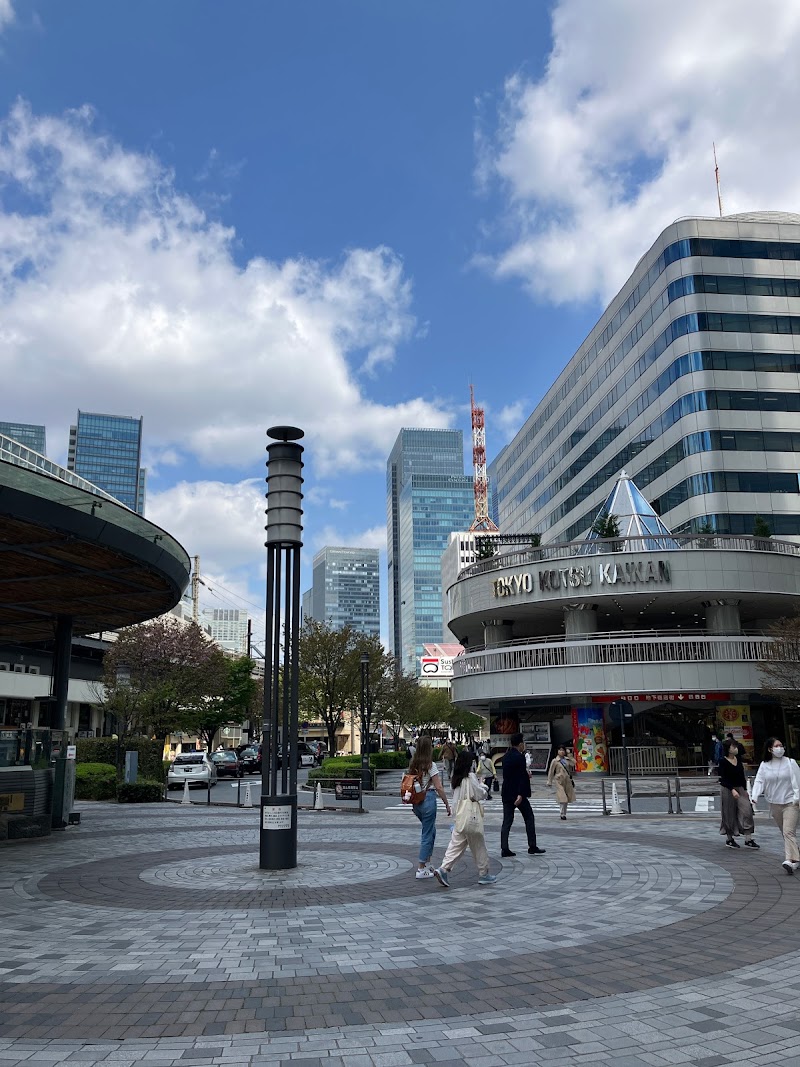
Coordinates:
[482,520]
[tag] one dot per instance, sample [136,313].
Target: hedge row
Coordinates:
[98,781]
[104,750]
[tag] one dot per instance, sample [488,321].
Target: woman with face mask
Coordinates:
[737,811]
[778,779]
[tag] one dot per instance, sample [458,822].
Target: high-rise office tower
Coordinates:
[307,605]
[27,434]
[689,381]
[346,589]
[428,497]
[106,450]
[228,627]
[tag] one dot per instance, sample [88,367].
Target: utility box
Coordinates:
[63,792]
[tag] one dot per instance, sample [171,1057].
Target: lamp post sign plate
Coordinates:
[277,817]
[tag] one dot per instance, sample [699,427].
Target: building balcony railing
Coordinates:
[522,557]
[19,455]
[617,649]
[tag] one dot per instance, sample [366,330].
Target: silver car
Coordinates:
[192,767]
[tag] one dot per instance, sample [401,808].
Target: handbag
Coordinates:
[469,817]
[495,786]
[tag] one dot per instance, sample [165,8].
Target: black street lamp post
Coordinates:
[366,775]
[278,829]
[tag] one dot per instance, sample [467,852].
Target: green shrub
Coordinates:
[141,792]
[388,760]
[104,750]
[95,781]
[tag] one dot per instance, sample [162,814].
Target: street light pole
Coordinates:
[366,776]
[278,829]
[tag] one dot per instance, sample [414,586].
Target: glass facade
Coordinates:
[740,394]
[28,434]
[106,450]
[346,589]
[428,498]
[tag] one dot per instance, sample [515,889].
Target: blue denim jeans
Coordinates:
[426,813]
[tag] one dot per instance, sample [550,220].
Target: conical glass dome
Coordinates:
[644,530]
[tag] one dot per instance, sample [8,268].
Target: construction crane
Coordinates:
[482,520]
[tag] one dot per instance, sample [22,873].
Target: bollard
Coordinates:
[247,802]
[318,805]
[185,799]
[616,807]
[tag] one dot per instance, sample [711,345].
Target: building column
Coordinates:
[62,655]
[496,632]
[580,620]
[722,617]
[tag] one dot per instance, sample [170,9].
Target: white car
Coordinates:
[192,767]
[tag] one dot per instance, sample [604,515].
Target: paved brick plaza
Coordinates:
[148,936]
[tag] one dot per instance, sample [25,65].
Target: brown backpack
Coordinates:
[411,790]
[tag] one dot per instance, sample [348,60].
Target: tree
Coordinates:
[761,527]
[330,674]
[780,669]
[432,711]
[230,704]
[606,526]
[158,673]
[464,723]
[405,697]
[484,548]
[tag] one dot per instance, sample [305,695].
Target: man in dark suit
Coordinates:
[515,795]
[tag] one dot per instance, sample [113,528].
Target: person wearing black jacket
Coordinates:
[515,794]
[737,810]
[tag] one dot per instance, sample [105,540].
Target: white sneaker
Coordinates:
[424,872]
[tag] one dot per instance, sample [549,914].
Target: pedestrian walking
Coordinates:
[468,797]
[487,771]
[737,810]
[448,758]
[515,794]
[778,779]
[561,771]
[430,781]
[716,755]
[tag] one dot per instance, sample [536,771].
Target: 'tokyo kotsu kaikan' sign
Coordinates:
[583,576]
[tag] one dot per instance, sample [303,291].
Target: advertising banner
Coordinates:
[437,666]
[736,720]
[589,737]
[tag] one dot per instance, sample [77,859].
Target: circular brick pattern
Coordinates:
[634,909]
[315,869]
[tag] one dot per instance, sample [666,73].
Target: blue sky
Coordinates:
[224,215]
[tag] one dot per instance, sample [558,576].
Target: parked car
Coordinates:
[251,760]
[306,757]
[228,763]
[193,767]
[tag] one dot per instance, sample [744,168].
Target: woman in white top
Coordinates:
[431,782]
[778,779]
[466,787]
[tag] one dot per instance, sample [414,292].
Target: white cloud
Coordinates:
[373,537]
[510,418]
[613,142]
[222,522]
[6,13]
[118,293]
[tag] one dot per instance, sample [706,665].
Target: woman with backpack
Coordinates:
[468,794]
[427,781]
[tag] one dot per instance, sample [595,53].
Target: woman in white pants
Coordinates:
[778,779]
[466,787]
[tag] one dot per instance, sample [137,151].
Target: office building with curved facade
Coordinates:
[690,382]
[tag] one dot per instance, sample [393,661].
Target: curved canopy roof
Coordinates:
[67,548]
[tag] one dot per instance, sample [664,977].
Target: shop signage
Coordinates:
[12,802]
[438,666]
[658,698]
[347,790]
[629,572]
